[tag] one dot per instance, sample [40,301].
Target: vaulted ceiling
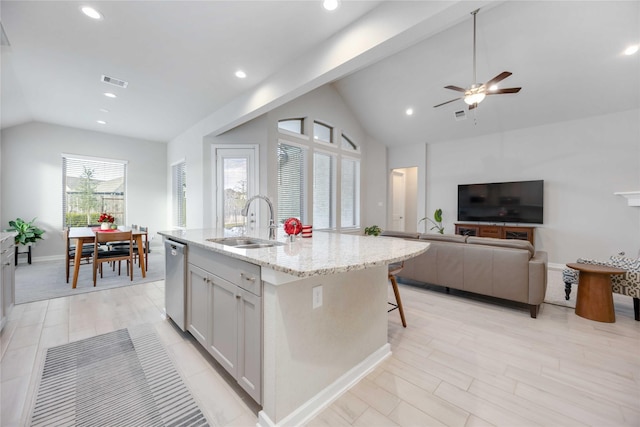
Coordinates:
[180,57]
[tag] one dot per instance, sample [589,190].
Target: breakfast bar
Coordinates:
[321,305]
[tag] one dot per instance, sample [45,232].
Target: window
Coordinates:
[292,125]
[350,193]
[323,190]
[322,132]
[318,176]
[291,182]
[347,144]
[179,193]
[92,186]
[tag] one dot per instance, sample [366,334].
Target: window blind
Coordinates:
[323,190]
[350,193]
[179,194]
[92,186]
[291,182]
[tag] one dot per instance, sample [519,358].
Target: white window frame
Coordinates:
[334,149]
[124,163]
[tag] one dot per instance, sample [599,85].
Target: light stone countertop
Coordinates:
[324,253]
[7,234]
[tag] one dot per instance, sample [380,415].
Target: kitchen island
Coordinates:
[321,305]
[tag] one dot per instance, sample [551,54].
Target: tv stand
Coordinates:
[496,231]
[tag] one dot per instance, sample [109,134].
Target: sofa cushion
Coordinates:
[401,234]
[453,238]
[503,243]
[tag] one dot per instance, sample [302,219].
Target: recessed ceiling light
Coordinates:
[631,50]
[91,12]
[110,95]
[103,110]
[409,112]
[241,74]
[330,4]
[102,122]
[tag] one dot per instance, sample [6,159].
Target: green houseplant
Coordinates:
[374,230]
[436,221]
[27,232]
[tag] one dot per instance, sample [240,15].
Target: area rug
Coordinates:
[123,378]
[555,295]
[47,279]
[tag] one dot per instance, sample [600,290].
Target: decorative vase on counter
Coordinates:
[105,226]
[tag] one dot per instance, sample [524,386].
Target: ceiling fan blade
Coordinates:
[444,103]
[472,106]
[500,77]
[506,90]
[459,89]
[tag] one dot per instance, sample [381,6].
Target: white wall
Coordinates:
[582,162]
[32,177]
[324,104]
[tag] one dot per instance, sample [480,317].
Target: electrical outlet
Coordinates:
[317,296]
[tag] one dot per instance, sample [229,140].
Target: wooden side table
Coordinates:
[595,297]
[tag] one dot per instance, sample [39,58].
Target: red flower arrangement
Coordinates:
[105,217]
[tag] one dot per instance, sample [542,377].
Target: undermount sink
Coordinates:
[245,242]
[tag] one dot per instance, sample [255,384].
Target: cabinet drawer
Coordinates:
[491,232]
[238,272]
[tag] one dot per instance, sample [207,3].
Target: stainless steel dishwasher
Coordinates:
[175,282]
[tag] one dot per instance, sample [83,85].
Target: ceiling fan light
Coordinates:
[474,98]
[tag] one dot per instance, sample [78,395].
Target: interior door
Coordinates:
[236,172]
[398,191]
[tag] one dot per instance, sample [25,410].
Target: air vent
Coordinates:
[114,81]
[460,115]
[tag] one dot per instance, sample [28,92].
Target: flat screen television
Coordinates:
[514,202]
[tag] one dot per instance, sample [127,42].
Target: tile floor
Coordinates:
[460,362]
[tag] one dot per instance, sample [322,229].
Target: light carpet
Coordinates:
[123,378]
[47,279]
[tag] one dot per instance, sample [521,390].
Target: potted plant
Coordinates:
[27,232]
[374,230]
[436,221]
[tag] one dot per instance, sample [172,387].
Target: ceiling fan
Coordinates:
[477,92]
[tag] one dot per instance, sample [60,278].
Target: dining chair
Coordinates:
[87,252]
[122,253]
[394,269]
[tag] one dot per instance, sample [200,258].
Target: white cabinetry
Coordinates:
[224,313]
[7,283]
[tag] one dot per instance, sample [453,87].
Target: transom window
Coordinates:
[347,144]
[322,132]
[292,125]
[92,186]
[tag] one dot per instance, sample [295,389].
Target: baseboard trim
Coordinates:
[328,395]
[554,266]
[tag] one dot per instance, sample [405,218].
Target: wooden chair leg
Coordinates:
[396,292]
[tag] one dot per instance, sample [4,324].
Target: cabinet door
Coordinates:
[198,307]
[467,230]
[250,345]
[223,326]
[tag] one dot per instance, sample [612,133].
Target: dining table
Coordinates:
[83,235]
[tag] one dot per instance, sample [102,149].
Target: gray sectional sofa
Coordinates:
[507,269]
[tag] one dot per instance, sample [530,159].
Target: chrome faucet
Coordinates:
[272,224]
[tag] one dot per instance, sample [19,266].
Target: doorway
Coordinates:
[403,199]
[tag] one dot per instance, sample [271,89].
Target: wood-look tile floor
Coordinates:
[460,362]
